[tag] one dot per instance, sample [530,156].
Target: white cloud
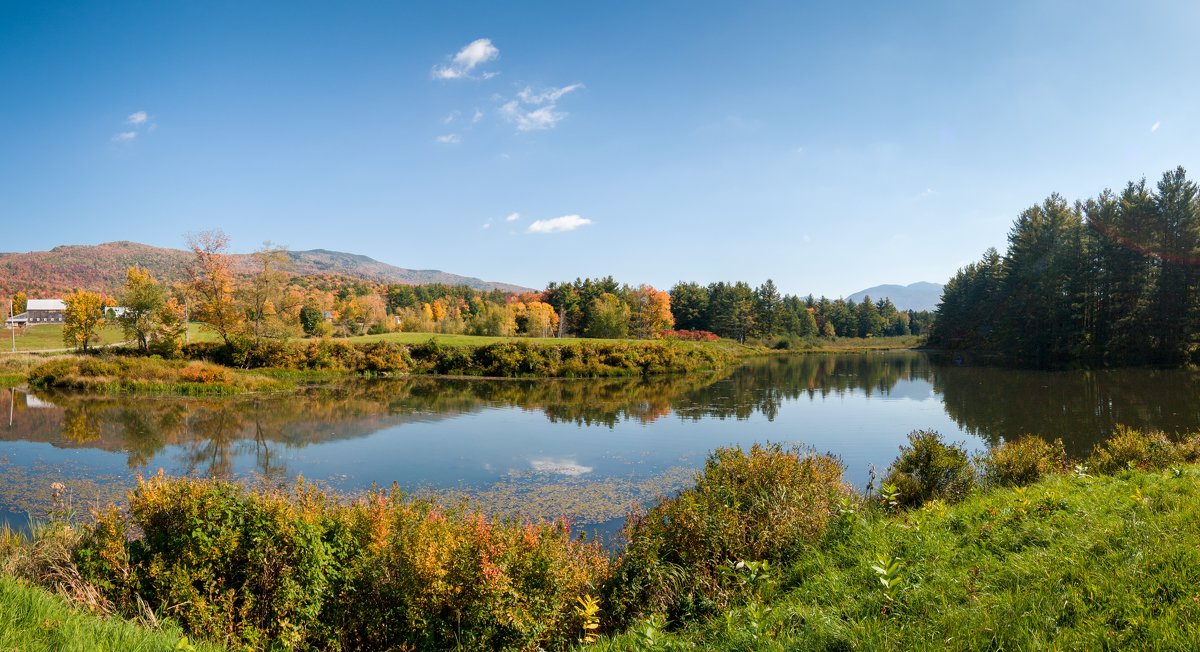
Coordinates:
[559,466]
[449,139]
[124,137]
[137,118]
[1155,126]
[559,224]
[512,217]
[487,225]
[476,52]
[451,117]
[536,120]
[536,111]
[477,117]
[550,95]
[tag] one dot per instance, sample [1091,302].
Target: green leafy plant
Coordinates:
[928,468]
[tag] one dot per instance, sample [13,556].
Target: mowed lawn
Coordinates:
[47,337]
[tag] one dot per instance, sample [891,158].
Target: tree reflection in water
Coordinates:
[208,434]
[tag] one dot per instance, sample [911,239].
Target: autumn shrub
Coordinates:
[1023,461]
[1188,448]
[434,578]
[691,336]
[513,359]
[768,503]
[297,570]
[1133,448]
[203,372]
[929,469]
[381,358]
[434,357]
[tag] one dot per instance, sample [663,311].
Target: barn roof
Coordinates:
[45,304]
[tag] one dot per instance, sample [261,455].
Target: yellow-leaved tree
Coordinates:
[83,319]
[211,282]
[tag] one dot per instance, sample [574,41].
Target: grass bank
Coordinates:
[1070,562]
[213,368]
[116,374]
[34,620]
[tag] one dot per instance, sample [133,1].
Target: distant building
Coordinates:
[39,311]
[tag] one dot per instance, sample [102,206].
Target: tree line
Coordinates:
[738,311]
[269,303]
[1111,280]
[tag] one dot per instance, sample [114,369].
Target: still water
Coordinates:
[584,448]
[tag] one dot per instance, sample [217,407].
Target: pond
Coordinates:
[588,449]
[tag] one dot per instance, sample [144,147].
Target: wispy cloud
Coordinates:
[449,139]
[559,466]
[512,217]
[475,53]
[477,117]
[137,122]
[550,95]
[1154,127]
[559,224]
[535,111]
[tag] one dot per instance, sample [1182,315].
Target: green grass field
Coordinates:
[48,337]
[33,620]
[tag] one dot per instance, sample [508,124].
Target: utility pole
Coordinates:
[12,325]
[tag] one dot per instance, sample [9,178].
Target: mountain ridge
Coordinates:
[101,267]
[922,295]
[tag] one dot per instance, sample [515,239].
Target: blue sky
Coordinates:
[830,147]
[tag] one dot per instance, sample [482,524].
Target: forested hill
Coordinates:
[918,296]
[101,268]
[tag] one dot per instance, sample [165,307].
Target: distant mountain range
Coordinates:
[102,268]
[916,296]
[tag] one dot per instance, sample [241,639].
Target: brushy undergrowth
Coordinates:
[110,373]
[765,504]
[301,571]
[571,358]
[929,469]
[1023,461]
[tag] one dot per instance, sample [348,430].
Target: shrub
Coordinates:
[262,570]
[691,336]
[203,372]
[928,469]
[430,578]
[765,504]
[1133,448]
[1024,461]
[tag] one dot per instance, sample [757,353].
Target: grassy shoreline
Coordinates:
[210,369]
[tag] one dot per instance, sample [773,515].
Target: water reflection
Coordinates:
[505,436]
